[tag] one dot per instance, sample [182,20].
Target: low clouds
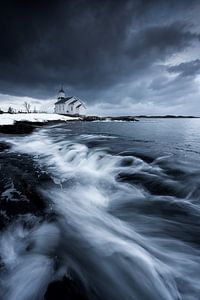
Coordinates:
[103,51]
[191,68]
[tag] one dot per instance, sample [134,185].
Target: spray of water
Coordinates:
[111,232]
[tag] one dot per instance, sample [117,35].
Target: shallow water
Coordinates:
[125,199]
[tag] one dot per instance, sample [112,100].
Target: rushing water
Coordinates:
[125,199]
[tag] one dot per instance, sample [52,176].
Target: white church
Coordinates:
[69,105]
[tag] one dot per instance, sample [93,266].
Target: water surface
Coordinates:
[124,197]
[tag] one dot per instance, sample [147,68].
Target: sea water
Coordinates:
[125,196]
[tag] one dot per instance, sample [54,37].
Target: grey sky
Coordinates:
[121,57]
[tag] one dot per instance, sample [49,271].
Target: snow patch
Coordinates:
[9,119]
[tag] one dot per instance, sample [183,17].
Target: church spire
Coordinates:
[61,88]
[61,93]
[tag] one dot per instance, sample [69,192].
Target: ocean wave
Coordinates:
[127,226]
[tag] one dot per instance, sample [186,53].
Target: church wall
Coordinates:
[67,108]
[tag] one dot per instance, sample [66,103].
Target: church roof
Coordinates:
[63,100]
[61,90]
[79,105]
[73,102]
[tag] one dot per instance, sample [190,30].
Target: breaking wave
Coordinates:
[124,226]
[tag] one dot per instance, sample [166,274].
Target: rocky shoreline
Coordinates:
[120,118]
[26,127]
[20,189]
[19,179]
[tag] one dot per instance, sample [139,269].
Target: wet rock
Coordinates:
[21,127]
[124,118]
[4,146]
[67,288]
[19,187]
[25,127]
[120,118]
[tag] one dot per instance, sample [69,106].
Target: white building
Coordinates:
[69,105]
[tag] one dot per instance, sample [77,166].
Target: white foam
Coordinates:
[110,254]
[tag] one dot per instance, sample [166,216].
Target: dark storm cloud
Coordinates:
[191,68]
[90,46]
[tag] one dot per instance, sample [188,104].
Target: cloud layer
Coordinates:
[120,54]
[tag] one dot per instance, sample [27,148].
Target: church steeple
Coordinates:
[61,93]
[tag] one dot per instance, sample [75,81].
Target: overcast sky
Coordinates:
[120,57]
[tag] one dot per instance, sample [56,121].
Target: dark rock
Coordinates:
[25,127]
[92,118]
[120,118]
[19,187]
[4,146]
[124,118]
[18,128]
[67,288]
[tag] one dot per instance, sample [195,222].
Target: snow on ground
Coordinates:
[9,119]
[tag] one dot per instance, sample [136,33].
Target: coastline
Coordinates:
[45,179]
[27,123]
